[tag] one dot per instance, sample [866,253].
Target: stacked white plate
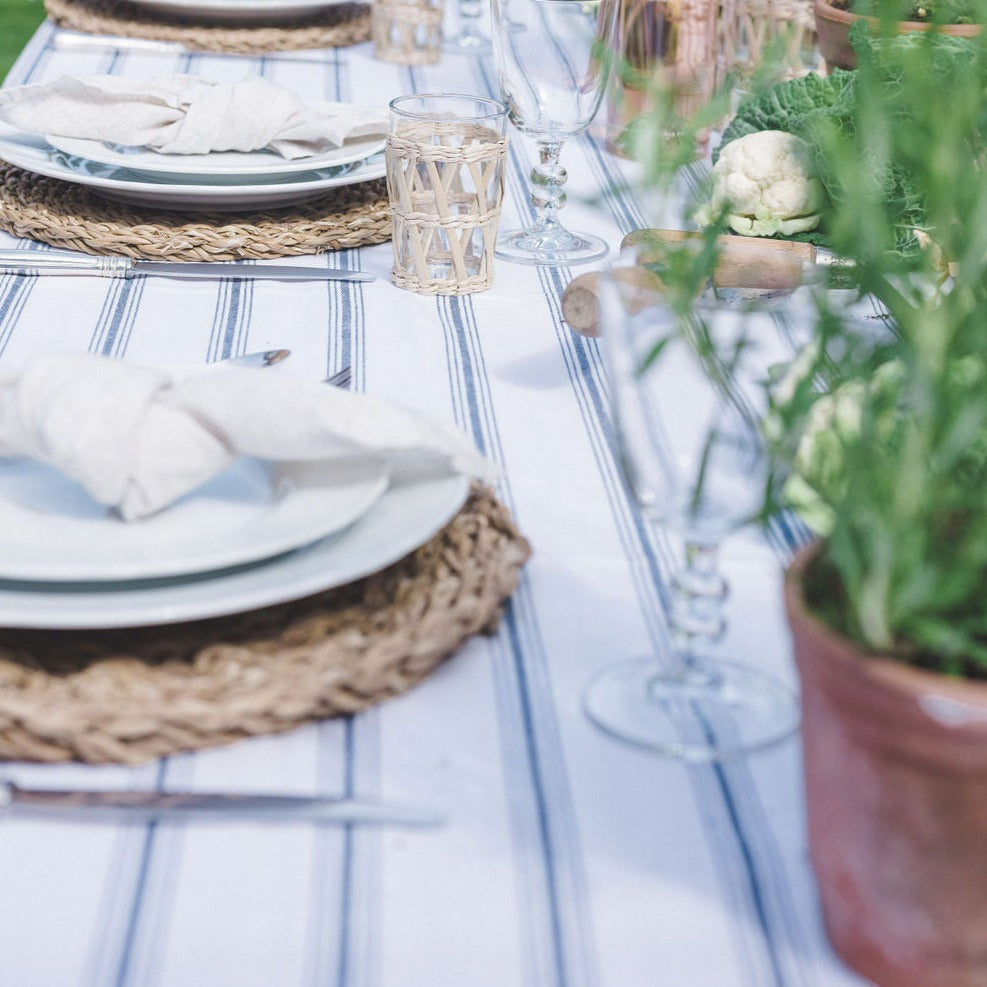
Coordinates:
[239,11]
[228,181]
[257,535]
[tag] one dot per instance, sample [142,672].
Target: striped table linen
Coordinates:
[568,859]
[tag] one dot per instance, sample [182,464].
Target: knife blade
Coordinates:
[68,264]
[263,358]
[64,40]
[144,807]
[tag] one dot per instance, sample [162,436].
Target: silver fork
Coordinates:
[265,358]
[342,378]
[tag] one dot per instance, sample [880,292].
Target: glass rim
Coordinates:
[495,107]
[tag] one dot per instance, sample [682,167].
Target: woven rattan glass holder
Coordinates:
[408,32]
[445,181]
[332,27]
[134,694]
[690,48]
[759,29]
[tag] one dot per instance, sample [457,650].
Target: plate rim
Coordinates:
[37,161]
[279,580]
[240,10]
[171,162]
[241,554]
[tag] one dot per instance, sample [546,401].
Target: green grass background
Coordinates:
[19,19]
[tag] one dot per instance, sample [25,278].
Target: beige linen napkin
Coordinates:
[183,114]
[137,439]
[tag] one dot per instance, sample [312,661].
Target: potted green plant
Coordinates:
[887,607]
[834,18]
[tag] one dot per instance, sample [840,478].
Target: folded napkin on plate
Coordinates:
[183,114]
[138,439]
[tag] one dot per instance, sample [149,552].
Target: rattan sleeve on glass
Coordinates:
[746,28]
[130,695]
[407,33]
[446,199]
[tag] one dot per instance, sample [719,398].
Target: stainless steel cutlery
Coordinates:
[67,263]
[144,807]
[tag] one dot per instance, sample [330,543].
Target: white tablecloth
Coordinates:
[568,859]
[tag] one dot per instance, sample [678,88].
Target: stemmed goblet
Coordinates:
[553,62]
[692,450]
[468,40]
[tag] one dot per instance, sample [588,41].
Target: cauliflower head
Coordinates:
[767,182]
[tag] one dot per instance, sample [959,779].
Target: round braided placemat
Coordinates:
[331,27]
[134,694]
[67,215]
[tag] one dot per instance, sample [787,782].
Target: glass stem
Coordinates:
[470,12]
[698,596]
[547,180]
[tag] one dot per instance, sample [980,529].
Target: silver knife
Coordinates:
[66,263]
[64,40]
[144,807]
[263,358]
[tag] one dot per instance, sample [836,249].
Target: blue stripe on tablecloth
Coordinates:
[556,912]
[15,289]
[116,321]
[138,891]
[27,65]
[346,877]
[336,928]
[14,292]
[231,319]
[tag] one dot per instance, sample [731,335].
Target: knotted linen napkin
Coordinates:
[183,114]
[137,439]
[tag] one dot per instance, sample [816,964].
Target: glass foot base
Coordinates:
[558,248]
[716,712]
[467,43]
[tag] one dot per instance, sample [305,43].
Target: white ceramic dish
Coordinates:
[240,11]
[35,154]
[219,166]
[401,520]
[54,531]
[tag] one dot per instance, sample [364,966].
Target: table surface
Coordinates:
[568,859]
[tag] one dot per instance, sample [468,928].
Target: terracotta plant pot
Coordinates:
[833,33]
[896,788]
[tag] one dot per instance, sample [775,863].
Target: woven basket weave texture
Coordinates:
[445,181]
[131,695]
[332,27]
[67,215]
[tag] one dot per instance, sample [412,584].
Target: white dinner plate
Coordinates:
[52,530]
[219,166]
[33,153]
[239,11]
[400,521]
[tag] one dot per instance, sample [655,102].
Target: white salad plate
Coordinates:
[217,166]
[33,153]
[404,518]
[239,11]
[53,530]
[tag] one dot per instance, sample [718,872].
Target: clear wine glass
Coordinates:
[468,40]
[553,62]
[691,448]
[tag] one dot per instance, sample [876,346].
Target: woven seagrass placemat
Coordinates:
[135,694]
[331,27]
[67,215]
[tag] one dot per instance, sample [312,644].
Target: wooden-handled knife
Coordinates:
[744,262]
